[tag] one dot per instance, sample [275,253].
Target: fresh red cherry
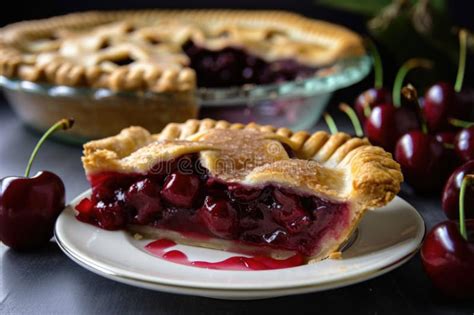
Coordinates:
[386,124]
[464,144]
[387,121]
[441,100]
[369,99]
[420,157]
[380,126]
[449,259]
[220,217]
[450,198]
[449,159]
[29,206]
[181,190]
[448,253]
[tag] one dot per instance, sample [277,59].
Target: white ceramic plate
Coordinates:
[386,238]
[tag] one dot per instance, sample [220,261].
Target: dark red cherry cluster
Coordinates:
[429,140]
[448,250]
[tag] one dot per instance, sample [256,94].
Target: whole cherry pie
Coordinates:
[166,54]
[172,50]
[245,188]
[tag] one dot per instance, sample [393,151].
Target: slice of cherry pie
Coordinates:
[245,188]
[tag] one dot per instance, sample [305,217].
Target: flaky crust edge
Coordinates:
[374,177]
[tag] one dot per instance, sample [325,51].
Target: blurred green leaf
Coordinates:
[422,30]
[364,7]
[439,5]
[408,28]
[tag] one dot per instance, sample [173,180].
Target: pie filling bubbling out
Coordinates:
[192,202]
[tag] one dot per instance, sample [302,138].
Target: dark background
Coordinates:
[22,9]
[461,11]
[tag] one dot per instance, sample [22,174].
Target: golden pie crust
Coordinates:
[337,167]
[80,49]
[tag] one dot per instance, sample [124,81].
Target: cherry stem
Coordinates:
[409,92]
[402,73]
[467,180]
[367,110]
[462,60]
[460,123]
[378,68]
[61,124]
[353,117]
[331,124]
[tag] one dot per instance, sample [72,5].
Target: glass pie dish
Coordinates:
[97,112]
[101,112]
[296,104]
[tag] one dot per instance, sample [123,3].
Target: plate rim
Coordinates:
[115,273]
[209,292]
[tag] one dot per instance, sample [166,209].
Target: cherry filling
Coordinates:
[192,202]
[234,67]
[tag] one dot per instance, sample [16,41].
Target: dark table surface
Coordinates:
[47,282]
